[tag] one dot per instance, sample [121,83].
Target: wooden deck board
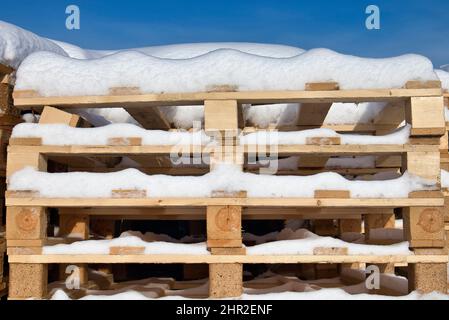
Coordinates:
[203,202]
[27,100]
[166,149]
[248,259]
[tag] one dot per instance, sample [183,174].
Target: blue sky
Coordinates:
[406,26]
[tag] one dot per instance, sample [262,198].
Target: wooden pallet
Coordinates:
[422,211]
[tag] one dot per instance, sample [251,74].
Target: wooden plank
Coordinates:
[349,225]
[227,194]
[281,149]
[390,118]
[29,99]
[228,251]
[129,194]
[74,225]
[126,250]
[125,141]
[246,259]
[315,113]
[25,141]
[40,242]
[24,193]
[330,251]
[416,84]
[322,86]
[221,116]
[332,194]
[378,221]
[52,115]
[323,141]
[203,202]
[150,118]
[426,116]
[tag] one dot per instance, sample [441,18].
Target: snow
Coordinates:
[283,288]
[444,179]
[444,78]
[400,136]
[58,134]
[30,117]
[286,242]
[180,116]
[61,134]
[51,74]
[291,289]
[187,50]
[126,240]
[303,241]
[104,116]
[16,44]
[226,178]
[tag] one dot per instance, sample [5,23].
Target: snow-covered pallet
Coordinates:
[223,210]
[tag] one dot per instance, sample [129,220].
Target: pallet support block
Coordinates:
[224,226]
[426,115]
[28,280]
[221,116]
[26,223]
[427,277]
[225,280]
[424,229]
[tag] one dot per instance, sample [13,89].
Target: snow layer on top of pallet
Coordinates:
[304,292]
[16,44]
[401,136]
[51,74]
[225,178]
[299,242]
[187,50]
[60,134]
[275,287]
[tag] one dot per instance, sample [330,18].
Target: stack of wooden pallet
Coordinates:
[9,116]
[444,149]
[421,104]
